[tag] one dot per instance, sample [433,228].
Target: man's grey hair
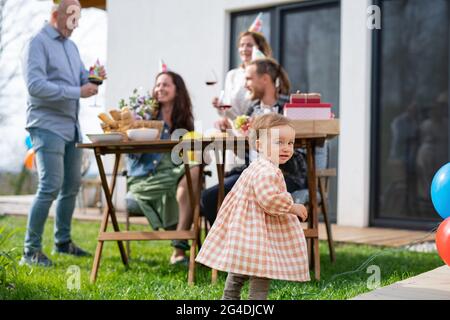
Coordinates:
[57,6]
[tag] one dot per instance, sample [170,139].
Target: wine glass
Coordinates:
[224,101]
[211,81]
[95,78]
[97,82]
[211,78]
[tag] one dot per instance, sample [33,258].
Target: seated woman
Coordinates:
[234,87]
[159,186]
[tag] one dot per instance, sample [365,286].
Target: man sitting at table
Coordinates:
[269,86]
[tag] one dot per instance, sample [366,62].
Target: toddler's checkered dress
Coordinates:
[254,234]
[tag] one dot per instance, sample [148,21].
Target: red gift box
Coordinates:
[305,98]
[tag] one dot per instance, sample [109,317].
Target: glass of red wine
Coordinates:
[95,79]
[97,82]
[211,78]
[224,102]
[211,81]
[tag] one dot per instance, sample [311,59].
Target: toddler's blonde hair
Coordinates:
[261,123]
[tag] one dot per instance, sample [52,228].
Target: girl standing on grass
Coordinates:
[257,235]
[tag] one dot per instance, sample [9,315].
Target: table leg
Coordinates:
[309,243]
[108,211]
[314,219]
[220,196]
[195,204]
[220,177]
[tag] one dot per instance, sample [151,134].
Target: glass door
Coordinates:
[409,111]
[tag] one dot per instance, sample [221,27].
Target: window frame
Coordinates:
[375,141]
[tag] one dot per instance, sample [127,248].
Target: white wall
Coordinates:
[193,37]
[354,104]
[190,36]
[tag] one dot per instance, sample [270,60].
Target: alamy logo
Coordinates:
[374,18]
[74,13]
[73,274]
[374,280]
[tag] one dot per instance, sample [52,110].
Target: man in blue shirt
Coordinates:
[56,79]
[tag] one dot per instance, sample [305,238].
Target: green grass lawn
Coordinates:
[151,276]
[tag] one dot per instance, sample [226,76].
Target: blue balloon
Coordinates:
[440,191]
[28,142]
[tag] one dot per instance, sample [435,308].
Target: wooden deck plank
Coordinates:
[92,214]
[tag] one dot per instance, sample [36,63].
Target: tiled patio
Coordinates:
[431,285]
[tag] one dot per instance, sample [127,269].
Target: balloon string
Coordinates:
[362,267]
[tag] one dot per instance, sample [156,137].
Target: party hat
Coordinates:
[162,66]
[257,54]
[257,24]
[94,71]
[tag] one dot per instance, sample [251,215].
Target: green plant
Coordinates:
[8,259]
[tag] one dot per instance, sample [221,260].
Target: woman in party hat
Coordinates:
[156,185]
[234,89]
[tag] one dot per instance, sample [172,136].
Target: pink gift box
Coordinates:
[308,111]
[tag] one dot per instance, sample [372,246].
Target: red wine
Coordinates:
[211,83]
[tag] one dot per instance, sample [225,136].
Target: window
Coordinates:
[410,110]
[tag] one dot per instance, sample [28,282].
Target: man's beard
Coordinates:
[256,94]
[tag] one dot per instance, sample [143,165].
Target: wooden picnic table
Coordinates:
[154,146]
[309,134]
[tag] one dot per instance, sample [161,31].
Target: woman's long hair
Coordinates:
[182,117]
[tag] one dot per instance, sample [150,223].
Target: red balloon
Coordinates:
[443,240]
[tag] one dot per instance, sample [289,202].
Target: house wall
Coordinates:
[193,36]
[354,140]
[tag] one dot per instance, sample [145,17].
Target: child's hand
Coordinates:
[300,211]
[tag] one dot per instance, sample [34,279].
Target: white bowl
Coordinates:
[142,134]
[105,137]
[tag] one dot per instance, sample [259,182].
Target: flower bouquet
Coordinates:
[143,106]
[140,111]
